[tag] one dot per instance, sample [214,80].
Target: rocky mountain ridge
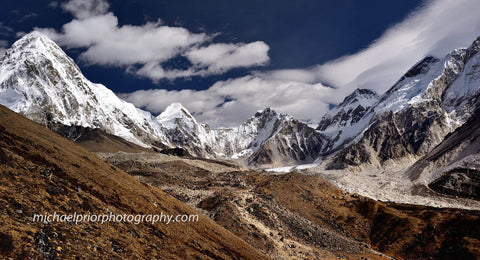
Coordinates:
[343,122]
[431,100]
[453,166]
[264,139]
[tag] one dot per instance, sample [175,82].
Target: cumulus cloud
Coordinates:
[155,71]
[220,57]
[213,59]
[436,28]
[110,44]
[230,102]
[143,49]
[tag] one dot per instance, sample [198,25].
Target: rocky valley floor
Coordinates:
[391,183]
[302,216]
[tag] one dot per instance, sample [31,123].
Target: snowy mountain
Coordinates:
[343,122]
[247,138]
[282,140]
[266,138]
[432,99]
[182,130]
[39,81]
[269,138]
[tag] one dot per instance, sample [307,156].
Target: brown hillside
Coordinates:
[298,216]
[398,230]
[43,172]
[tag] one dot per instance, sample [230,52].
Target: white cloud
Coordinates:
[435,29]
[298,75]
[244,97]
[53,4]
[217,58]
[20,34]
[5,30]
[155,72]
[143,49]
[213,59]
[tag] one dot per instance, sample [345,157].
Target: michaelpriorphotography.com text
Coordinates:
[111,217]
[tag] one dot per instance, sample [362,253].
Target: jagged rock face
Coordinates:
[39,81]
[461,182]
[294,143]
[265,138]
[453,166]
[394,135]
[246,139]
[182,130]
[350,111]
[429,101]
[72,132]
[342,123]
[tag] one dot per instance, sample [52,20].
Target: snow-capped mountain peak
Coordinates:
[38,80]
[173,113]
[362,97]
[267,112]
[347,114]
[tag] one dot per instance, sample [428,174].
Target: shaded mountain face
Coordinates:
[453,167]
[432,99]
[267,138]
[288,142]
[42,172]
[350,111]
[345,121]
[39,81]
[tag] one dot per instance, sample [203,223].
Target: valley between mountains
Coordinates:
[380,177]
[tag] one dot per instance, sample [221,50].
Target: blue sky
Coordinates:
[226,59]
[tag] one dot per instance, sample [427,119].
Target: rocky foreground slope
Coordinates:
[41,172]
[296,216]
